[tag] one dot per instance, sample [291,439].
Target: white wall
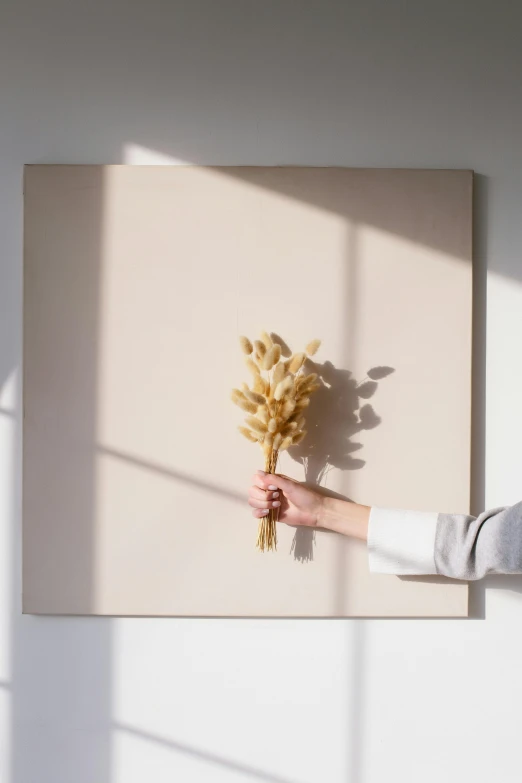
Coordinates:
[370,83]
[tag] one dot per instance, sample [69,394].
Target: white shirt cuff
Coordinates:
[401,541]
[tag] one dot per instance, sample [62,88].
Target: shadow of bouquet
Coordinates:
[338,412]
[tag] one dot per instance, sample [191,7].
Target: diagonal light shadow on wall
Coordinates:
[202,755]
[176,475]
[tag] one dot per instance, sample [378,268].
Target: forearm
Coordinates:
[341,516]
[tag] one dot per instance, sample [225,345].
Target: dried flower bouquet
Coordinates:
[276,403]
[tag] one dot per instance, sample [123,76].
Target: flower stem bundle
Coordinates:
[275,404]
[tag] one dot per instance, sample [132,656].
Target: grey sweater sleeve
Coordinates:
[456,545]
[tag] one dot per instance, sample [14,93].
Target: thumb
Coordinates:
[275,481]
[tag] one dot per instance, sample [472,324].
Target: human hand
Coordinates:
[298,505]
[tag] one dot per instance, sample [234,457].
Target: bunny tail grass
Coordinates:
[246,345]
[312,347]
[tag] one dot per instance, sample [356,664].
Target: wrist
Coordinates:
[330,513]
[343,516]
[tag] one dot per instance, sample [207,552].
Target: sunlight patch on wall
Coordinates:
[504,379]
[205,245]
[136,155]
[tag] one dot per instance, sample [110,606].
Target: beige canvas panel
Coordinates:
[138,282]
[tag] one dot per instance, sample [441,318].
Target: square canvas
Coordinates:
[138,282]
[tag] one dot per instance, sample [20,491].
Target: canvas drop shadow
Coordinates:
[339,411]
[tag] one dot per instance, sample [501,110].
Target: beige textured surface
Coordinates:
[138,281]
